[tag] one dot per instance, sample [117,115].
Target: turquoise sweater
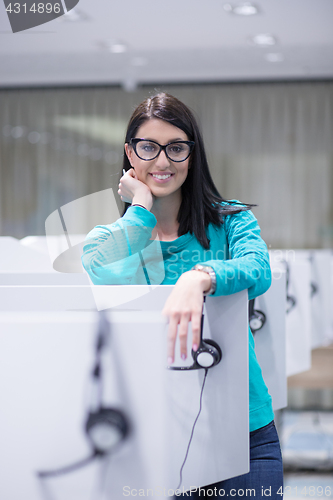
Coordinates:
[114,254]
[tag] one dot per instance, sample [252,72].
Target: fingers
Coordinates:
[184,306]
[125,191]
[196,329]
[182,334]
[172,335]
[121,192]
[180,323]
[132,190]
[132,173]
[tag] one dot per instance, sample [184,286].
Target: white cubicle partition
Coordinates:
[219,449]
[331,332]
[42,279]
[63,250]
[15,257]
[44,362]
[321,295]
[47,298]
[60,297]
[22,264]
[37,243]
[298,317]
[322,298]
[270,340]
[222,316]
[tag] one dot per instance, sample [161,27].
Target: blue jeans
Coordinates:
[265,479]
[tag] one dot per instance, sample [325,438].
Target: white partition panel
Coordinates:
[331,332]
[42,279]
[270,340]
[223,423]
[60,297]
[37,243]
[44,375]
[69,297]
[321,295]
[23,264]
[57,247]
[224,418]
[322,298]
[44,364]
[298,317]
[298,347]
[46,298]
[15,257]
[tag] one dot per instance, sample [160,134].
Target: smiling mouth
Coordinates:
[161,176]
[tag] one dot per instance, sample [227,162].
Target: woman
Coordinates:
[169,192]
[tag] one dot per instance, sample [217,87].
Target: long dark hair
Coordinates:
[201,201]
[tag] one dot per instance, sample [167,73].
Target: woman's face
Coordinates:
[162,175]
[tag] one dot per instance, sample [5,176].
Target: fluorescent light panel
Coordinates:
[242,9]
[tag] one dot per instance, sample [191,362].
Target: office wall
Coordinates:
[267,143]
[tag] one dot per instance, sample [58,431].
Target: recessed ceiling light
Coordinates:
[242,9]
[139,61]
[264,39]
[117,48]
[274,57]
[73,15]
[113,45]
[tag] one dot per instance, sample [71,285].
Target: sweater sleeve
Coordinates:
[248,264]
[123,252]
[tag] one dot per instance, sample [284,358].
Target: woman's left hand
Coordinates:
[184,305]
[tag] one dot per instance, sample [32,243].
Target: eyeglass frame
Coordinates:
[134,141]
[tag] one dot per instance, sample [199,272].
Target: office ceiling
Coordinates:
[174,41]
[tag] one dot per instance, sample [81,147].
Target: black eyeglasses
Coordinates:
[149,150]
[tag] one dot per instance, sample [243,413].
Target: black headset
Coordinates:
[314,289]
[209,354]
[291,300]
[105,427]
[257,318]
[314,286]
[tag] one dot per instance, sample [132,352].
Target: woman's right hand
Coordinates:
[131,190]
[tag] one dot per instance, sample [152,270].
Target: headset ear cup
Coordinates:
[218,354]
[208,355]
[257,320]
[106,428]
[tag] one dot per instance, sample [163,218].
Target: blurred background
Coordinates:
[259,78]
